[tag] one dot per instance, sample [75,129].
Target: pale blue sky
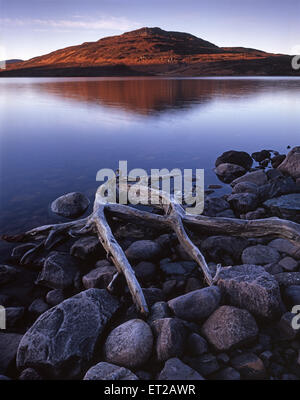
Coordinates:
[30,28]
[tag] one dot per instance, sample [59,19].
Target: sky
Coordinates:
[30,28]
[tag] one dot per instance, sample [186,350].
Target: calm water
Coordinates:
[55,134]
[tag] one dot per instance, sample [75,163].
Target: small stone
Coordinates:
[197,305]
[104,371]
[30,374]
[260,255]
[87,247]
[285,328]
[256,214]
[286,206]
[192,284]
[266,357]
[288,278]
[130,344]
[159,310]
[153,295]
[244,187]
[59,271]
[70,205]
[285,246]
[229,327]
[261,155]
[227,172]
[145,271]
[99,277]
[175,369]
[218,247]
[143,250]
[235,157]
[38,307]
[197,345]
[55,297]
[249,366]
[214,205]
[206,364]
[289,264]
[170,334]
[257,177]
[292,295]
[227,374]
[243,202]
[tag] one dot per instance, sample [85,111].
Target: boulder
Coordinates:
[256,214]
[252,288]
[104,371]
[258,177]
[130,344]
[144,250]
[243,202]
[235,157]
[99,277]
[291,164]
[260,255]
[87,247]
[62,341]
[245,187]
[228,172]
[170,335]
[283,185]
[229,327]
[70,205]
[9,343]
[175,369]
[261,155]
[59,271]
[286,206]
[197,305]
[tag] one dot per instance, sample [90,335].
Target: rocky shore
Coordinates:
[63,323]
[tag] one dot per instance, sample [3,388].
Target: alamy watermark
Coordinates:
[296,58]
[160,187]
[2,318]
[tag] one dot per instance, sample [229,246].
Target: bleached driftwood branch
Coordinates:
[174,218]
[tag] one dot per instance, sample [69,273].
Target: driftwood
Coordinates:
[174,217]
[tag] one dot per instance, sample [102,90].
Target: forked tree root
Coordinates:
[174,218]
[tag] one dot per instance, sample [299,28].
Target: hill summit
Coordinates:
[152,51]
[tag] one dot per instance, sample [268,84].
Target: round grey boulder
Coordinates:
[104,371]
[70,205]
[260,255]
[130,344]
